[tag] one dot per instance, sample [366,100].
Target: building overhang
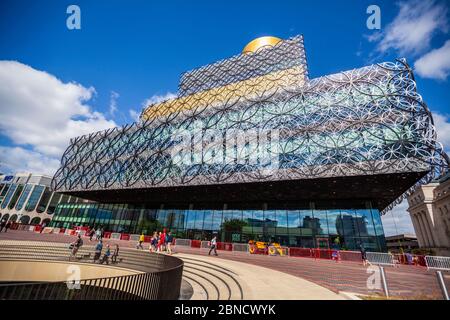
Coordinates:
[336,192]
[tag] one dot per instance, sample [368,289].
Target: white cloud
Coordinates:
[134,115]
[442,124]
[398,221]
[42,113]
[412,29]
[158,98]
[17,159]
[113,103]
[435,64]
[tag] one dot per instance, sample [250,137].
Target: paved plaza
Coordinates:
[272,277]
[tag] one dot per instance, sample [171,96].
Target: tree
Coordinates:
[233,225]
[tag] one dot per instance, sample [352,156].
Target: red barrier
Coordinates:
[124,236]
[195,243]
[226,246]
[301,252]
[350,256]
[37,228]
[62,230]
[147,238]
[107,235]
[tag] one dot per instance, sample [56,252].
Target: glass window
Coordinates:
[34,197]
[318,223]
[350,223]
[364,222]
[9,195]
[232,226]
[199,219]
[53,202]
[162,217]
[23,197]
[335,229]
[5,190]
[208,220]
[190,221]
[35,221]
[15,197]
[294,227]
[217,220]
[247,230]
[270,225]
[282,228]
[381,240]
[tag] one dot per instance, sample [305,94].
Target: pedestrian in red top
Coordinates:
[163,239]
[158,248]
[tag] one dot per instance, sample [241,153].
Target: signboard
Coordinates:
[8,178]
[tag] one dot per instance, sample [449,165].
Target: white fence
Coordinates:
[379,258]
[115,236]
[438,263]
[134,237]
[183,242]
[240,247]
[205,245]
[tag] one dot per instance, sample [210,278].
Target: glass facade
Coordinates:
[24,196]
[34,197]
[8,195]
[338,228]
[15,197]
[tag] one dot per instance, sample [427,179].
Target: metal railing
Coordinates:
[438,263]
[240,247]
[380,258]
[183,242]
[160,278]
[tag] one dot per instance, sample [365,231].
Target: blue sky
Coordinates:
[128,52]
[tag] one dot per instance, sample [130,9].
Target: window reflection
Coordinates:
[343,229]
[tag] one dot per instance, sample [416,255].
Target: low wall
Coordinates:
[34,271]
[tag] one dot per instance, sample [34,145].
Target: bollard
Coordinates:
[442,284]
[383,279]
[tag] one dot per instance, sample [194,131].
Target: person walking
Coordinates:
[213,246]
[163,239]
[169,240]
[2,225]
[115,254]
[91,234]
[98,250]
[42,227]
[75,246]
[159,244]
[363,254]
[98,234]
[154,242]
[106,256]
[140,242]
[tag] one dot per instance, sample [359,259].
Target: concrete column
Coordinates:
[426,229]
[422,230]
[416,225]
[428,225]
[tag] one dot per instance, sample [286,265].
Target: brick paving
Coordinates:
[405,281]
